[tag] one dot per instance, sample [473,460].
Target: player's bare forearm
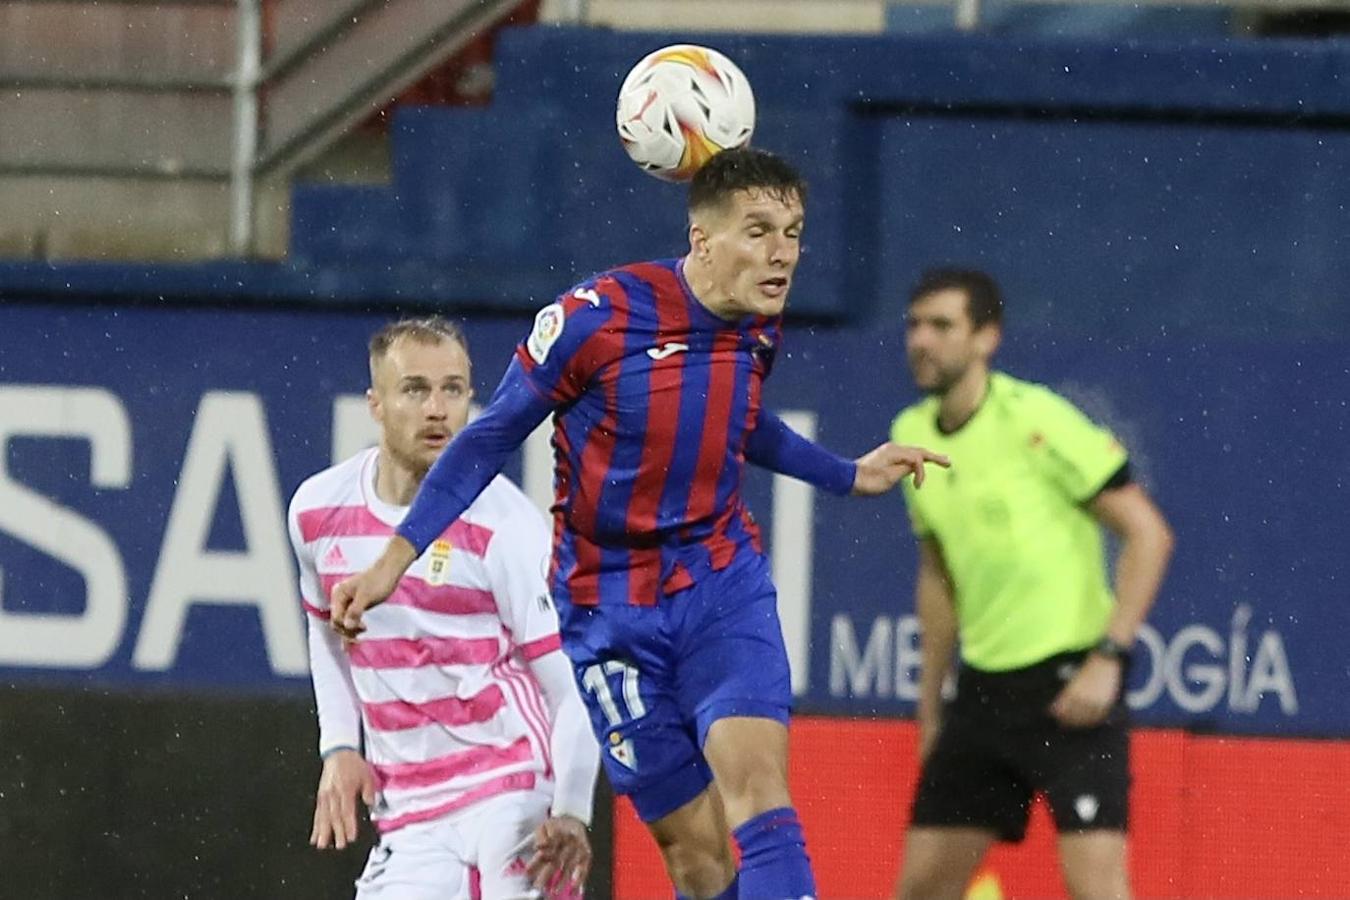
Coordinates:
[1145,551]
[937,642]
[397,556]
[1146,548]
[351,597]
[937,647]
[1139,574]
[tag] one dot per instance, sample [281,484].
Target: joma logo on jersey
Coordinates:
[669,348]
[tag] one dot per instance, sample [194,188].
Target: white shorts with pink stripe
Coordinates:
[480,851]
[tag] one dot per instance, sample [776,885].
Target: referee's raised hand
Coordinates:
[883,468]
[351,597]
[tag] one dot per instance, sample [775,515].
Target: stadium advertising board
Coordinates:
[1213,817]
[149,455]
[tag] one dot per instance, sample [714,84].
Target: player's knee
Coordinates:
[1099,889]
[699,868]
[749,760]
[752,792]
[693,843]
[1094,865]
[934,876]
[1110,882]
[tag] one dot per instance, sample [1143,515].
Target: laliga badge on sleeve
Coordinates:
[438,566]
[548,325]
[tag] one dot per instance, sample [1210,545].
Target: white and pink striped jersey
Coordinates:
[450,712]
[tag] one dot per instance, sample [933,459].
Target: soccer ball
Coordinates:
[681,105]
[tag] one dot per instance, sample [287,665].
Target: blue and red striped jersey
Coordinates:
[655,400]
[656,408]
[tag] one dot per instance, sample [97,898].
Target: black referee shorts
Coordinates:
[999,747]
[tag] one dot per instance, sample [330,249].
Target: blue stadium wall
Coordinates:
[1170,226]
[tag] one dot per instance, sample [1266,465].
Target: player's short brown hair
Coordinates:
[744,169]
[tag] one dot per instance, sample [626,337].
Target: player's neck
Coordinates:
[962,400]
[394,484]
[701,286]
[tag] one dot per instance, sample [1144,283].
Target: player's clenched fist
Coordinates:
[884,467]
[351,597]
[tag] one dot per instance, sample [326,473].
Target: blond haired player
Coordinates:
[454,717]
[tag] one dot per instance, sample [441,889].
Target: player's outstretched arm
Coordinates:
[776,447]
[883,468]
[346,776]
[351,597]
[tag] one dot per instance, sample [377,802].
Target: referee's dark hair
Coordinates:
[984,302]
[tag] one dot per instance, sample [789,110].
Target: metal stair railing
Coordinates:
[185,89]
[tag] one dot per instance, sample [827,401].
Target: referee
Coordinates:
[1011,567]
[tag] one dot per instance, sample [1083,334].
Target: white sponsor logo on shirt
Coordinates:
[670,348]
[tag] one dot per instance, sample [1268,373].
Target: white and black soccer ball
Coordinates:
[679,106]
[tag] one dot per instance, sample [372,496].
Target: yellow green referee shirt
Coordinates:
[1024,554]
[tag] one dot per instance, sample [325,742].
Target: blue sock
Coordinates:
[728,894]
[774,864]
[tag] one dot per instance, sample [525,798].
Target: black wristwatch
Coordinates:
[1112,649]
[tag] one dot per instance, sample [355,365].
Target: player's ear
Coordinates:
[988,338]
[373,404]
[698,240]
